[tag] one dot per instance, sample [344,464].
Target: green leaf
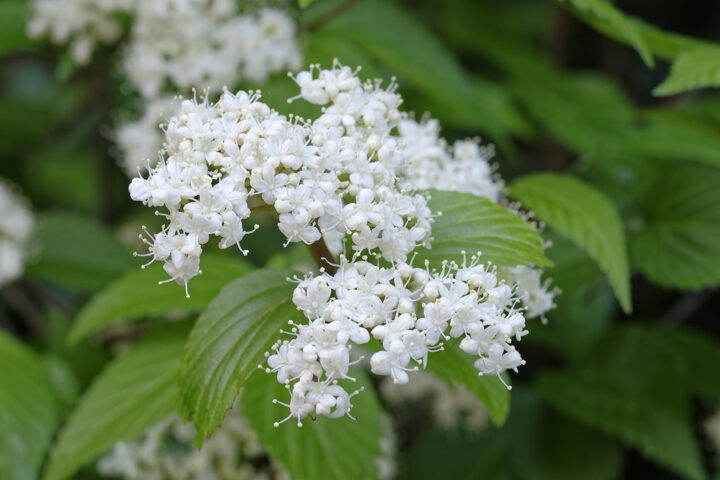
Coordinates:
[624,177]
[701,355]
[305,3]
[395,38]
[134,392]
[13,18]
[324,449]
[64,174]
[676,244]
[664,44]
[672,135]
[76,251]
[325,46]
[473,224]
[581,110]
[85,359]
[295,257]
[465,455]
[692,70]
[508,35]
[632,386]
[137,295]
[535,444]
[496,100]
[33,105]
[585,307]
[605,12]
[582,213]
[452,365]
[28,410]
[229,341]
[557,448]
[65,385]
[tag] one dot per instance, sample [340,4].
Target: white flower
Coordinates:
[16,226]
[536,295]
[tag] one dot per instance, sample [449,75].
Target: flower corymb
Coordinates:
[350,180]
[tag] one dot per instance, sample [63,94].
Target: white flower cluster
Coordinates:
[167,451]
[334,176]
[342,178]
[411,311]
[431,163]
[205,43]
[451,406]
[16,226]
[81,23]
[186,42]
[183,43]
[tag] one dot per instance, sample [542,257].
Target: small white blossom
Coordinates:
[536,295]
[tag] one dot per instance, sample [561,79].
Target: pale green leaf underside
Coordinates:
[475,224]
[691,70]
[28,411]
[582,213]
[324,449]
[133,393]
[137,294]
[229,341]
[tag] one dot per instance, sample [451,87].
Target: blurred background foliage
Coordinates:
[584,87]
